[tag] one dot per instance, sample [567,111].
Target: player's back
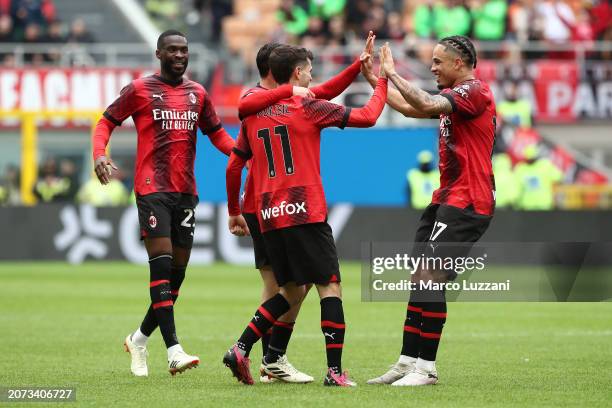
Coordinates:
[284,140]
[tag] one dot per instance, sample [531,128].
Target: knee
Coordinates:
[330,290]
[293,294]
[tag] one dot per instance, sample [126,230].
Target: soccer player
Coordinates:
[462,208]
[283,142]
[167,110]
[265,94]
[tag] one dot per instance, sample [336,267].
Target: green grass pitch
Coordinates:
[63,325]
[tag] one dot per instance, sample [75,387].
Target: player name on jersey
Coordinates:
[176,120]
[274,110]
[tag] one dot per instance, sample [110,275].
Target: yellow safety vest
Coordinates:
[422,185]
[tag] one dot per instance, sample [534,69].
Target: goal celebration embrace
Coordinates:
[306,203]
[284,208]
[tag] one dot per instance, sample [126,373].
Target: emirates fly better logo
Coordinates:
[176,120]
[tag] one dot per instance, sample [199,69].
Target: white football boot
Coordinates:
[265,378]
[396,371]
[283,370]
[181,361]
[139,357]
[419,376]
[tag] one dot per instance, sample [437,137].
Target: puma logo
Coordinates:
[330,335]
[159,96]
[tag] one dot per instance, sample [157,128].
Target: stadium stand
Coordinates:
[555,53]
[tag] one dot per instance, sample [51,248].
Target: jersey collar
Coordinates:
[167,81]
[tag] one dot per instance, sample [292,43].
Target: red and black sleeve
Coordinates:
[466,99]
[208,121]
[240,155]
[124,106]
[210,124]
[336,85]
[367,115]
[101,136]
[325,114]
[253,102]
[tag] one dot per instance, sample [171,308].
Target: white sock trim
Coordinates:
[139,339]
[426,365]
[406,360]
[174,349]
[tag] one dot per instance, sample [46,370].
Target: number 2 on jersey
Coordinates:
[283,133]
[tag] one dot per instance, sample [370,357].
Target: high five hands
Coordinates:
[387,65]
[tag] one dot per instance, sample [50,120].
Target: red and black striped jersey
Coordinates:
[283,142]
[248,201]
[167,116]
[466,143]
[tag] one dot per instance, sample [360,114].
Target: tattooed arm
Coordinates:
[397,101]
[419,100]
[394,99]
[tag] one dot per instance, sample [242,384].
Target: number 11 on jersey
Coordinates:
[283,133]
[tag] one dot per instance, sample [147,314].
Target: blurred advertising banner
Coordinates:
[78,233]
[62,89]
[559,91]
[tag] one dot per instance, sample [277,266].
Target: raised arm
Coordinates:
[326,114]
[367,115]
[397,102]
[394,98]
[253,102]
[335,86]
[421,101]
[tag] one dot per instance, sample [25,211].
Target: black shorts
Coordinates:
[303,254]
[168,215]
[259,246]
[444,223]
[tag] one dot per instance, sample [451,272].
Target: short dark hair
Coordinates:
[168,33]
[462,46]
[283,60]
[262,58]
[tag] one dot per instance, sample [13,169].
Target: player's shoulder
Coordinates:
[134,85]
[190,83]
[312,103]
[257,88]
[472,88]
[194,86]
[148,80]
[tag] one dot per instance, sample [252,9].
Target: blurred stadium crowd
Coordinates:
[236,28]
[329,23]
[37,22]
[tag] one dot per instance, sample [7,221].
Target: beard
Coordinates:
[167,67]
